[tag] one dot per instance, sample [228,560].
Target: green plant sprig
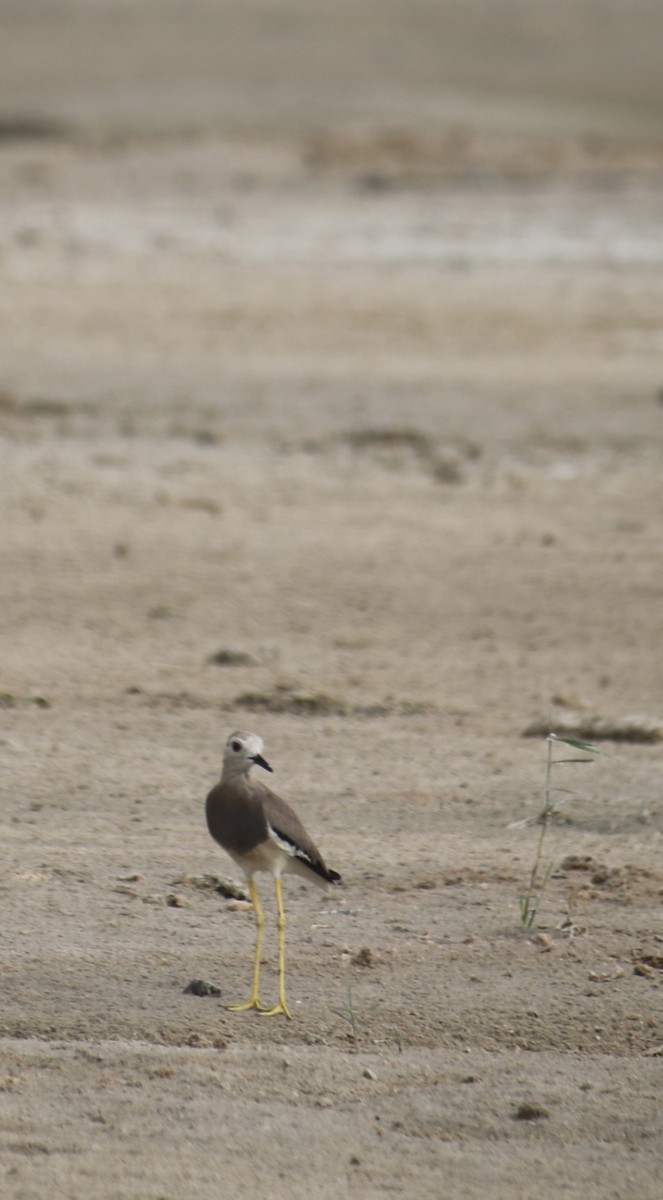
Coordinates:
[530,900]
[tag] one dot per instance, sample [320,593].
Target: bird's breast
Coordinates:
[235,818]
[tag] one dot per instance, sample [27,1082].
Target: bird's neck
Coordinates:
[230,771]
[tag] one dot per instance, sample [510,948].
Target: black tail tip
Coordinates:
[334,877]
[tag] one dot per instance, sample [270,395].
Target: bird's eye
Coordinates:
[236,746]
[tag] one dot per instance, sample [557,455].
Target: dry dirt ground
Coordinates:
[354,438]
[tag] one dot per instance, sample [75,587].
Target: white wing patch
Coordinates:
[288,847]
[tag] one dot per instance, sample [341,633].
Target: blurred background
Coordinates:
[589,66]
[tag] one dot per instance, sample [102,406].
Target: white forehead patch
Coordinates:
[250,742]
[254,744]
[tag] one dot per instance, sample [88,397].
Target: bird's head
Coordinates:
[242,751]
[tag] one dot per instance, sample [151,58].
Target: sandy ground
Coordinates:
[377,414]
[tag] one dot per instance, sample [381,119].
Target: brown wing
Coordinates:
[288,827]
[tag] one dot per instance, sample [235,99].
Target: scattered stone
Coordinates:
[655,961]
[368,1074]
[213,883]
[173,900]
[579,862]
[8,700]
[568,926]
[603,875]
[544,941]
[201,987]
[530,1110]
[364,958]
[643,968]
[606,976]
[227,657]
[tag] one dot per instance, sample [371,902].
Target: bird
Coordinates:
[261,832]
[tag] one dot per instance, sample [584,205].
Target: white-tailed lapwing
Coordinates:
[261,833]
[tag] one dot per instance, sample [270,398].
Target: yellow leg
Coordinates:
[281,1007]
[254,1001]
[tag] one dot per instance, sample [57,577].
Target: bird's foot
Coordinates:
[281,1007]
[254,1002]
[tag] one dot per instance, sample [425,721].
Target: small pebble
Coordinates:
[531,1111]
[544,941]
[200,987]
[364,957]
